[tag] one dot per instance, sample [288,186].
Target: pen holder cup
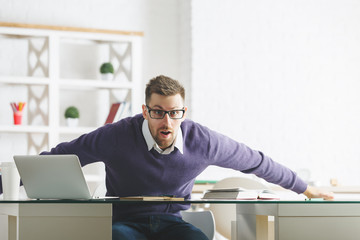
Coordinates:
[17,118]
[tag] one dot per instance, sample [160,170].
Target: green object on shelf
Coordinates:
[107,68]
[72,112]
[205,181]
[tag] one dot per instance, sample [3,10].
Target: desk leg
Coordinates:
[264,228]
[254,227]
[12,227]
[8,227]
[246,226]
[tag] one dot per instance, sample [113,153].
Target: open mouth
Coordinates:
[165,133]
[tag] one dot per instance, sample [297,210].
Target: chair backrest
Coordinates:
[204,220]
[224,214]
[100,190]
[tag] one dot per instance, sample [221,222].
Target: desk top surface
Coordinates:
[197,201]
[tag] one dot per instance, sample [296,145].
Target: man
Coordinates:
[159,152]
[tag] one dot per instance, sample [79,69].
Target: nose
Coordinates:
[167,119]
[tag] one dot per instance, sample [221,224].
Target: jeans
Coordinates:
[156,227]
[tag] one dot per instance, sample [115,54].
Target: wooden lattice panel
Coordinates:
[38,95]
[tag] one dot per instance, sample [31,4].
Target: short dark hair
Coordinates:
[165,86]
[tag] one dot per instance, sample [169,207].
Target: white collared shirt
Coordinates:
[178,143]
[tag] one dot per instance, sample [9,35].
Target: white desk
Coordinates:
[91,219]
[330,220]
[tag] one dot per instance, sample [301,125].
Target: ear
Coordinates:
[184,117]
[145,112]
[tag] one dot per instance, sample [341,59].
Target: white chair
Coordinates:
[100,190]
[225,214]
[204,220]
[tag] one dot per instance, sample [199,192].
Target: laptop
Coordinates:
[52,176]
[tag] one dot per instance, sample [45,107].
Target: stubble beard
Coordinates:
[164,143]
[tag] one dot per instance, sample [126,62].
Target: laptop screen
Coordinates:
[52,176]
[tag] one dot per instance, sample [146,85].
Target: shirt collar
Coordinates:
[178,143]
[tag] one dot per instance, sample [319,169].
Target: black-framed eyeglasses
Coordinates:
[160,114]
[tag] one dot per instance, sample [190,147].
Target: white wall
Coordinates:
[283,77]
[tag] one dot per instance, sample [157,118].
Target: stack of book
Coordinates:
[153,198]
[240,194]
[118,111]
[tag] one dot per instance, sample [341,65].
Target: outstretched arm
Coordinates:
[313,192]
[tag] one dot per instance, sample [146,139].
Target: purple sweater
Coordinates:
[133,170]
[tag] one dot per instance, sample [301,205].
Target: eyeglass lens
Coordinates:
[159,114]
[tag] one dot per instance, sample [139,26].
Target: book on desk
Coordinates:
[153,198]
[240,194]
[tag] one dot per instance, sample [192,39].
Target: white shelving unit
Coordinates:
[51,68]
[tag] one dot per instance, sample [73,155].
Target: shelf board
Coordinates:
[67,83]
[43,129]
[72,29]
[24,80]
[23,129]
[92,83]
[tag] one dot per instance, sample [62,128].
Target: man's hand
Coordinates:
[312,192]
